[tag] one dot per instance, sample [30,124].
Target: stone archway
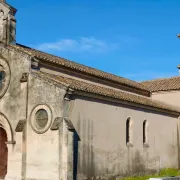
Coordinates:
[6,140]
[4,123]
[3,153]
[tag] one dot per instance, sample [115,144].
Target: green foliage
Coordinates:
[169,172]
[162,173]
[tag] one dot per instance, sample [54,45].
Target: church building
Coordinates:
[60,120]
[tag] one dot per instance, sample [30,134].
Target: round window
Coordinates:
[41,118]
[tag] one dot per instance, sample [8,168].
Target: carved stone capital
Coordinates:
[24,77]
[69,123]
[11,142]
[20,126]
[68,94]
[34,63]
[56,123]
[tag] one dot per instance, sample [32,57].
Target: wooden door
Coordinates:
[3,153]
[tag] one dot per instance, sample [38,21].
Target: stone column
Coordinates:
[63,150]
[70,155]
[66,151]
[14,159]
[15,152]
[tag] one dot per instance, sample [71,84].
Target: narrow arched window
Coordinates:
[129,131]
[145,132]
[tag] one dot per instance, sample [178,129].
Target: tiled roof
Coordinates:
[165,84]
[81,68]
[115,94]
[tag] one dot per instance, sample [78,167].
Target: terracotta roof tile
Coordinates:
[79,67]
[119,95]
[165,84]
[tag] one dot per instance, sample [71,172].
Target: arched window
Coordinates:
[128,131]
[145,138]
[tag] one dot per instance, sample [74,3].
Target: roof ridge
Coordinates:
[160,79]
[163,84]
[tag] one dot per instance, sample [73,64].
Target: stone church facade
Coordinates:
[60,120]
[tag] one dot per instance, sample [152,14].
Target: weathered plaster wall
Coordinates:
[102,148]
[170,97]
[13,103]
[42,151]
[13,106]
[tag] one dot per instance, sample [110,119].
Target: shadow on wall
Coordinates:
[75,158]
[84,150]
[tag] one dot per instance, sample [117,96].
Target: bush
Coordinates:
[162,173]
[169,172]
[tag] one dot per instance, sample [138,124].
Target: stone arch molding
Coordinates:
[5,67]
[4,123]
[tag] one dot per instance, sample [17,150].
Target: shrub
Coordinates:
[169,172]
[162,173]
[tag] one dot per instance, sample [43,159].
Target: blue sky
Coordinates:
[135,39]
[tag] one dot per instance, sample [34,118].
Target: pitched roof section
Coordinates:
[81,68]
[165,84]
[107,92]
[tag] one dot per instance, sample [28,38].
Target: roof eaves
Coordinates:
[129,103]
[118,95]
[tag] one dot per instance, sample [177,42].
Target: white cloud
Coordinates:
[84,44]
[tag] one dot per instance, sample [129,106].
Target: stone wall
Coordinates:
[13,106]
[42,149]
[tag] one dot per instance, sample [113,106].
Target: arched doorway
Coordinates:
[3,153]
